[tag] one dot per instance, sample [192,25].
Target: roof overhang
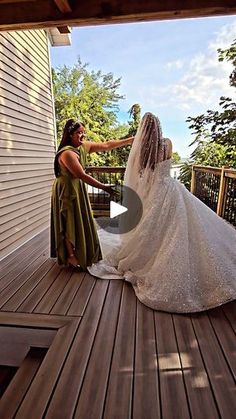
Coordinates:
[58,39]
[28,14]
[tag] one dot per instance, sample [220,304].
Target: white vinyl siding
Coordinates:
[27,137]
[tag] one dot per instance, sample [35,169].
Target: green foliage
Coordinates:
[120,155]
[218,127]
[213,154]
[175,157]
[229,54]
[92,97]
[185,174]
[88,96]
[215,131]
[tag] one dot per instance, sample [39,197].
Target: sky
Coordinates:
[170,68]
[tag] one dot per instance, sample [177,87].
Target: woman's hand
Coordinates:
[129,140]
[112,192]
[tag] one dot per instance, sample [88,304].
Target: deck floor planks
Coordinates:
[222,382]
[230,312]
[198,386]
[39,393]
[16,283]
[120,385]
[146,401]
[47,302]
[29,284]
[16,391]
[172,387]
[226,337]
[22,265]
[82,296]
[64,301]
[93,391]
[12,260]
[119,358]
[75,366]
[38,292]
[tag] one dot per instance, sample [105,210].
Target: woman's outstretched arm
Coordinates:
[107,145]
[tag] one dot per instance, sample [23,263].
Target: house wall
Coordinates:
[175,170]
[27,137]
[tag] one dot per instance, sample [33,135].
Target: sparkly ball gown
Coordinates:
[181,257]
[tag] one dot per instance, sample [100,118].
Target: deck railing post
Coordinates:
[193,180]
[221,192]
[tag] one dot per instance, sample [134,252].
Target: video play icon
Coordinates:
[125,212]
[116,209]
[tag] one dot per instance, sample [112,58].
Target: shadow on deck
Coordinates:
[74,346]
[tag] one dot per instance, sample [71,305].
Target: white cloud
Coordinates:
[171,67]
[205,78]
[182,87]
[198,85]
[175,64]
[224,37]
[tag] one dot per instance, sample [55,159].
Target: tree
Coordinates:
[215,131]
[229,54]
[175,157]
[185,174]
[120,155]
[89,96]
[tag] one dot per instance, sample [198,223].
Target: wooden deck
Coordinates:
[72,346]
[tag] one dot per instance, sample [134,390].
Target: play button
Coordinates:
[126,211]
[116,209]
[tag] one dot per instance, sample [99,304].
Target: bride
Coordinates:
[181,257]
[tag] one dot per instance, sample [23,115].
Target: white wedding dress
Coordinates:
[181,257]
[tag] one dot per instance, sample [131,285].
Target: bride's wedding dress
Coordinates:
[181,257]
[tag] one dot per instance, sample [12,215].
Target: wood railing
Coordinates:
[216,187]
[100,200]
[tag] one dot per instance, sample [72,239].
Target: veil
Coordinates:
[147,151]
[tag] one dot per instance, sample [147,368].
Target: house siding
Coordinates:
[27,137]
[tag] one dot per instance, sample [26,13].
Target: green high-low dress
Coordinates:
[71,216]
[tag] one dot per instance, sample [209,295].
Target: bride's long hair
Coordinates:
[147,151]
[151,142]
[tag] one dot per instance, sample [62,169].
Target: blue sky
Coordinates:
[169,67]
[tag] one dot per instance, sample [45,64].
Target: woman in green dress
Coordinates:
[74,239]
